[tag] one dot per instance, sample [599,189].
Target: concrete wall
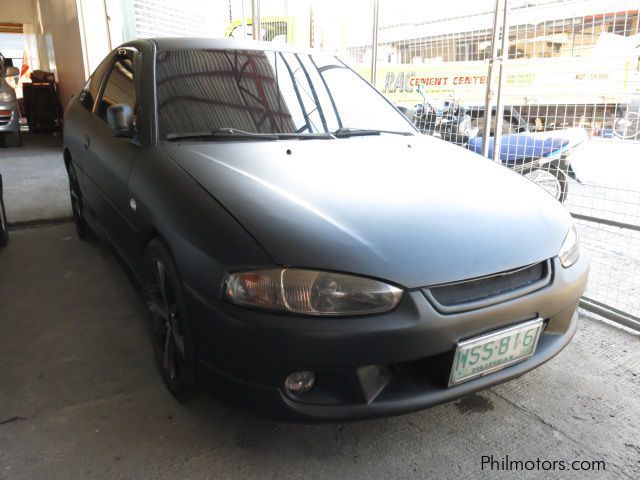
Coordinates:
[60,44]
[12,11]
[66,37]
[94,29]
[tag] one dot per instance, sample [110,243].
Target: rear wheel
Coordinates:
[4,229]
[551,179]
[170,332]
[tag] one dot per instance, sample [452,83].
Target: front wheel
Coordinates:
[551,179]
[169,327]
[83,229]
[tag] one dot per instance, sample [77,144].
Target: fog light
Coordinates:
[300,382]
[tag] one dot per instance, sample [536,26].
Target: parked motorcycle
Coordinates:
[627,124]
[539,156]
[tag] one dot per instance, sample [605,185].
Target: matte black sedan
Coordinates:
[304,252]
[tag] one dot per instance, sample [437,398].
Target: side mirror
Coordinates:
[407,112]
[11,72]
[120,119]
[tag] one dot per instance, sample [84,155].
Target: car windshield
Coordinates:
[266,92]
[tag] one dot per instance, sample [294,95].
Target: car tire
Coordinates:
[82,227]
[169,326]
[12,139]
[4,228]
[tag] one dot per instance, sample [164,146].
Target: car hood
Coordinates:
[415,211]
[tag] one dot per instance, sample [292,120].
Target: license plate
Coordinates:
[495,351]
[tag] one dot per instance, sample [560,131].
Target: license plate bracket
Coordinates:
[489,353]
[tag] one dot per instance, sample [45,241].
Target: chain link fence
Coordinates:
[556,96]
[564,100]
[580,71]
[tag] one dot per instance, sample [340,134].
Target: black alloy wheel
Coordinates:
[169,326]
[83,229]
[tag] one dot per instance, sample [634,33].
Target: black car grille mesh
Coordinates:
[471,292]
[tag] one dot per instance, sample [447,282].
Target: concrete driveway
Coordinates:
[80,398]
[35,180]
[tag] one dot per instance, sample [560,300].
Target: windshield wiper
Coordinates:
[235,133]
[361,132]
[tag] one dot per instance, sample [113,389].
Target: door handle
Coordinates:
[86,141]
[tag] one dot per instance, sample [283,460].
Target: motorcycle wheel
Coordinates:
[627,128]
[551,179]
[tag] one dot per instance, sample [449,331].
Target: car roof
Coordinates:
[186,43]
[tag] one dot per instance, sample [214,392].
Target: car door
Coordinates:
[109,158]
[78,119]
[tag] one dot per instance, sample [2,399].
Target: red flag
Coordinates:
[25,71]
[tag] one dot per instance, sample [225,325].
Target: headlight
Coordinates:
[310,292]
[570,250]
[5,97]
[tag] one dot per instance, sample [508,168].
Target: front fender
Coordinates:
[204,238]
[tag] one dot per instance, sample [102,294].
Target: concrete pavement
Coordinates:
[35,180]
[80,397]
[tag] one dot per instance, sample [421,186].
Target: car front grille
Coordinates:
[490,290]
[5,117]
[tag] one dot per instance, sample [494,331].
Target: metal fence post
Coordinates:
[244,21]
[489,92]
[504,55]
[374,43]
[255,19]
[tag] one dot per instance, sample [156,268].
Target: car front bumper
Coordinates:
[366,366]
[9,117]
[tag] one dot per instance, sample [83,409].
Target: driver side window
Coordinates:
[120,87]
[90,90]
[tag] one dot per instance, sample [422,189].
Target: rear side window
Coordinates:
[120,87]
[90,90]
